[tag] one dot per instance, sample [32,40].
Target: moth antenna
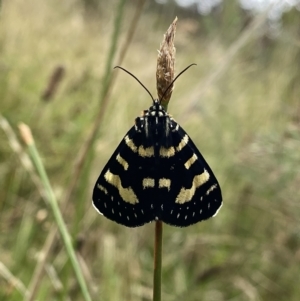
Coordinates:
[173,81]
[136,80]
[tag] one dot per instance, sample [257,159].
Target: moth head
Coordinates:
[156,106]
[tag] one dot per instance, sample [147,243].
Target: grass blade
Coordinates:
[27,137]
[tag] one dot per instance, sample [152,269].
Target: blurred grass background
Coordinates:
[240,105]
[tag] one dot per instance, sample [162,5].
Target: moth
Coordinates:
[157,173]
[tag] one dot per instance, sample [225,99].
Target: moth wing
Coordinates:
[194,194]
[121,192]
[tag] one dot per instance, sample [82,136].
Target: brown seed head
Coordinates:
[166,65]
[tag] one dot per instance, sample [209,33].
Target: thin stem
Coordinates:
[52,201]
[39,269]
[108,81]
[12,280]
[157,261]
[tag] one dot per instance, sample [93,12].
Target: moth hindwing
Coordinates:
[157,173]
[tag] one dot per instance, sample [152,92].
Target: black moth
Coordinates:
[157,173]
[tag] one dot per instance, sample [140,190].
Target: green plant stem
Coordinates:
[157,261]
[113,47]
[87,149]
[59,220]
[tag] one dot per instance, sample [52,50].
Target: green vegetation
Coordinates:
[240,105]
